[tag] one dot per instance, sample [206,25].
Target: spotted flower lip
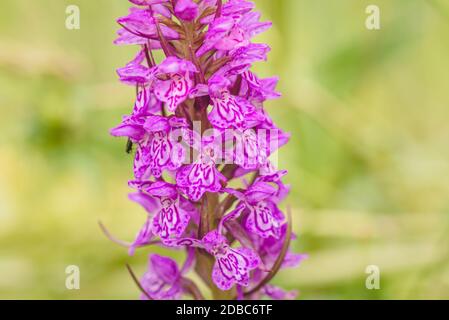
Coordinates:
[202,175]
[259,206]
[177,88]
[156,150]
[232,265]
[203,147]
[169,218]
[229,111]
[249,151]
[199,178]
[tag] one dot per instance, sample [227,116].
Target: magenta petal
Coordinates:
[147,202]
[127,38]
[161,189]
[186,10]
[173,65]
[199,178]
[173,91]
[232,7]
[141,23]
[162,280]
[292,260]
[144,237]
[260,191]
[277,293]
[165,268]
[156,123]
[171,220]
[265,220]
[148,2]
[233,267]
[221,281]
[132,131]
[228,112]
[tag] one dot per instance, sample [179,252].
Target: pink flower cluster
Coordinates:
[180,176]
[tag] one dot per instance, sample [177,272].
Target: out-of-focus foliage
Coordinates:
[368,159]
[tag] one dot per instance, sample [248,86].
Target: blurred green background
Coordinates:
[368,160]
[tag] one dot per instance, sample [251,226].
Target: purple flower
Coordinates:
[171,216]
[134,73]
[177,87]
[259,207]
[162,280]
[250,149]
[232,265]
[229,111]
[186,10]
[141,23]
[145,235]
[202,176]
[258,90]
[234,29]
[277,293]
[133,126]
[157,151]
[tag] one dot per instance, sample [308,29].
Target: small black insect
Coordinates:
[129,146]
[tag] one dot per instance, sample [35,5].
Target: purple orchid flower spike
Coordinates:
[204,165]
